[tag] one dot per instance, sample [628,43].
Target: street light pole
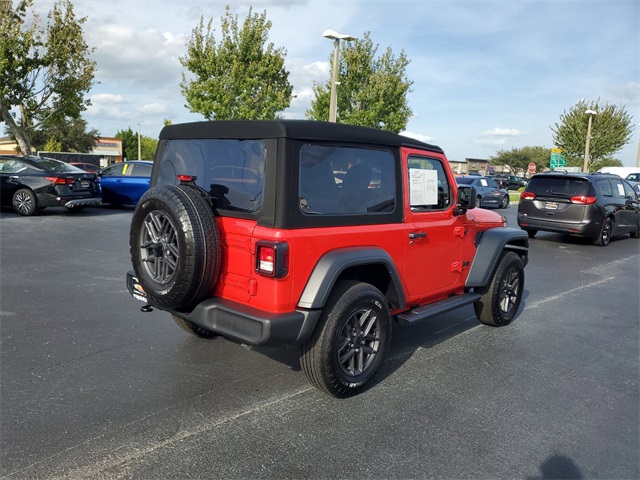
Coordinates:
[638,157]
[585,167]
[333,101]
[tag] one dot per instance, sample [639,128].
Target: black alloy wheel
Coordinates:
[25,202]
[159,251]
[359,342]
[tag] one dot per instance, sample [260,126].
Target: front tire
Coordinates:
[349,343]
[501,299]
[25,202]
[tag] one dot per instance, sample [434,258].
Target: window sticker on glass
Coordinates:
[423,187]
[621,189]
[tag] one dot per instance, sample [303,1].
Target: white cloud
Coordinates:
[106,98]
[153,109]
[417,136]
[504,132]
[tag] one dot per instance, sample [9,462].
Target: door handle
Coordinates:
[414,235]
[119,180]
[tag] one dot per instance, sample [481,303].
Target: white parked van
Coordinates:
[620,171]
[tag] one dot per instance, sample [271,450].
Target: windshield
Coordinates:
[464,180]
[232,171]
[54,165]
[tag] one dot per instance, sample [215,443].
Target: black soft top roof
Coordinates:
[295,129]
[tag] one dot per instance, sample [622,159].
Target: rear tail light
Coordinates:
[272,259]
[583,200]
[60,180]
[527,196]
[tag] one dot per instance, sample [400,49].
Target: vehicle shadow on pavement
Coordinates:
[558,467]
[405,339]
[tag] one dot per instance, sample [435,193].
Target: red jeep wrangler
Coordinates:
[319,235]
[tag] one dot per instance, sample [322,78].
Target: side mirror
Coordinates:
[466,200]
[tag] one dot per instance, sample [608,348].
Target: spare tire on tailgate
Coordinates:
[175,246]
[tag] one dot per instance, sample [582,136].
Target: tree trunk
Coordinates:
[21,138]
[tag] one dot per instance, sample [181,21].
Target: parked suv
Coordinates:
[598,206]
[319,235]
[510,182]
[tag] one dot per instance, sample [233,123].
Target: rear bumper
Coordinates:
[81,202]
[589,229]
[241,322]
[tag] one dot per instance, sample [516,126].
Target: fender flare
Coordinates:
[489,247]
[332,264]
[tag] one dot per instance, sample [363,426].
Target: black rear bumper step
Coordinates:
[438,308]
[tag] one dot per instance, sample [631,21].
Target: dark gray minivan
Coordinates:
[597,206]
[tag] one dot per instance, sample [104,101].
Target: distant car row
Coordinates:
[29,183]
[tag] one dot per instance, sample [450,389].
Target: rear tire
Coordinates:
[193,329]
[606,233]
[349,343]
[501,299]
[505,201]
[531,233]
[25,202]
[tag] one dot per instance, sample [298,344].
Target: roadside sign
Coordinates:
[557,159]
[532,168]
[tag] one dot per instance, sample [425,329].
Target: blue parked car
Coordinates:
[125,182]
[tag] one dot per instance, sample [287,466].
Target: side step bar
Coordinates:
[437,308]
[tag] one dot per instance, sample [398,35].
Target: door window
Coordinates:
[429,188]
[113,171]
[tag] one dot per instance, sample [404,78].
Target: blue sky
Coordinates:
[488,75]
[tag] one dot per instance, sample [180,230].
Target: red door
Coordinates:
[433,234]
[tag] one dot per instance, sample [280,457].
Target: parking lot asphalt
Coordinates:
[91,387]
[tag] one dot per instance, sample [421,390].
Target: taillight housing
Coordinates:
[583,200]
[527,196]
[272,259]
[60,180]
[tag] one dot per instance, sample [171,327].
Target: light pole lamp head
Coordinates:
[337,36]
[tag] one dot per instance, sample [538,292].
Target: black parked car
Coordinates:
[29,184]
[599,206]
[489,193]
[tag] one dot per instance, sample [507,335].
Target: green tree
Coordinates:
[46,70]
[129,139]
[148,147]
[372,90]
[241,77]
[72,135]
[518,159]
[611,129]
